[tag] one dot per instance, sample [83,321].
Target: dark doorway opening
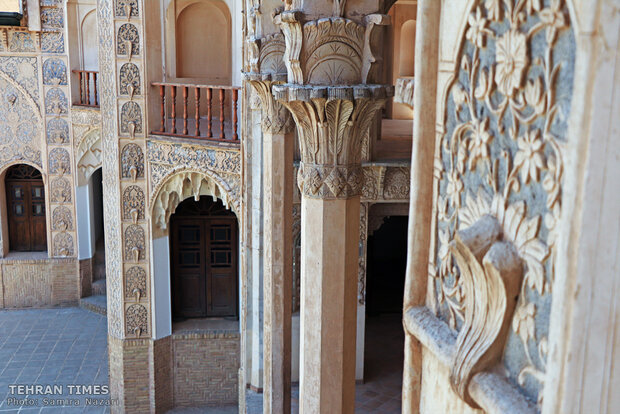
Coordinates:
[387,263]
[204,255]
[25,196]
[385,285]
[96,186]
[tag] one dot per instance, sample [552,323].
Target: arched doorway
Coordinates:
[204,260]
[25,196]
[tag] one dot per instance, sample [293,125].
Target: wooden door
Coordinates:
[222,267]
[189,268]
[26,209]
[204,264]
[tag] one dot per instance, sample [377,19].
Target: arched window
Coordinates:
[25,196]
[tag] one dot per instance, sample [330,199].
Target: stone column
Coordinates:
[277,129]
[331,122]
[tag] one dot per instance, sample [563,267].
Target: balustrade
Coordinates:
[197,118]
[87,79]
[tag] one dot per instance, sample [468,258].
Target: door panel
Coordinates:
[26,214]
[189,278]
[204,268]
[222,246]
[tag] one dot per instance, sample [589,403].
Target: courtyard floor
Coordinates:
[62,347]
[67,347]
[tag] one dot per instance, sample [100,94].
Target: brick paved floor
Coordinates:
[52,346]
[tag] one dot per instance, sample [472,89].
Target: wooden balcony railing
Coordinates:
[195,116]
[88,87]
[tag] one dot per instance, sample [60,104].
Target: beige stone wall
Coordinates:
[38,283]
[205,369]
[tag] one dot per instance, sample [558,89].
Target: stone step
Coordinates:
[99,287]
[97,304]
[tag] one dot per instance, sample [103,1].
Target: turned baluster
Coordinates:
[235,97]
[95,86]
[197,98]
[174,109]
[222,115]
[162,95]
[81,89]
[209,118]
[185,110]
[87,88]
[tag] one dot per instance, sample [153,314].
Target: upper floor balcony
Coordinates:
[194,110]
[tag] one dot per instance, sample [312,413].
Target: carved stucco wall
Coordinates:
[123,132]
[502,155]
[34,117]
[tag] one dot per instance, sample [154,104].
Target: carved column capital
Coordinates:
[331,122]
[276,118]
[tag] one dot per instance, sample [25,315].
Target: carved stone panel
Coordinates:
[62,219]
[131,119]
[59,161]
[128,41]
[56,102]
[52,42]
[397,184]
[63,245]
[132,162]
[135,243]
[54,72]
[502,156]
[130,80]
[61,190]
[127,8]
[57,131]
[135,283]
[137,320]
[133,204]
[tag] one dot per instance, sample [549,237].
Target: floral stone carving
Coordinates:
[62,219]
[135,283]
[137,320]
[57,131]
[503,155]
[59,161]
[133,204]
[61,190]
[129,80]
[128,41]
[132,162]
[63,245]
[54,72]
[131,119]
[135,243]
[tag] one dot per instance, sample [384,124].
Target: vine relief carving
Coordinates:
[502,159]
[61,190]
[133,204]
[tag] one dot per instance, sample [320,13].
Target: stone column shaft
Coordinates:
[331,123]
[278,254]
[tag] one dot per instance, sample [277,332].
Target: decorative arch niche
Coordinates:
[192,24]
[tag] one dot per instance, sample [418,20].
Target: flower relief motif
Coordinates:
[511,58]
[529,158]
[477,28]
[508,114]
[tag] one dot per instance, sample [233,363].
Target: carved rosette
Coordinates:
[331,122]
